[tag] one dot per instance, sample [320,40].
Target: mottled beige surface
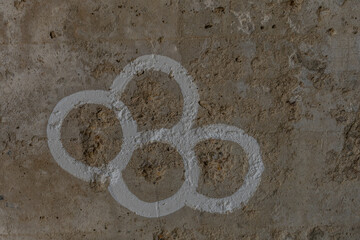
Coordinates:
[285,71]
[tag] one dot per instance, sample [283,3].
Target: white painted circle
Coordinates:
[168,66]
[251,180]
[61,110]
[125,197]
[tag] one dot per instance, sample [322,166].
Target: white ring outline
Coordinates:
[251,179]
[180,136]
[61,156]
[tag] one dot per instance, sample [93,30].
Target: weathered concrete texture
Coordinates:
[287,72]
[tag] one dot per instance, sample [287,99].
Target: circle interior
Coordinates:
[223,166]
[155,172]
[154,100]
[92,134]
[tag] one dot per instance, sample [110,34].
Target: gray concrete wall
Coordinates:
[281,77]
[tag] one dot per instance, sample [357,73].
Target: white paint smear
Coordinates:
[182,137]
[246,25]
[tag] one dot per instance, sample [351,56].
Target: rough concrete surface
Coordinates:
[287,72]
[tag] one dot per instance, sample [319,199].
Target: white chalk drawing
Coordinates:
[181,136]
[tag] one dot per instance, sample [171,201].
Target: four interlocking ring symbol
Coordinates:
[181,136]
